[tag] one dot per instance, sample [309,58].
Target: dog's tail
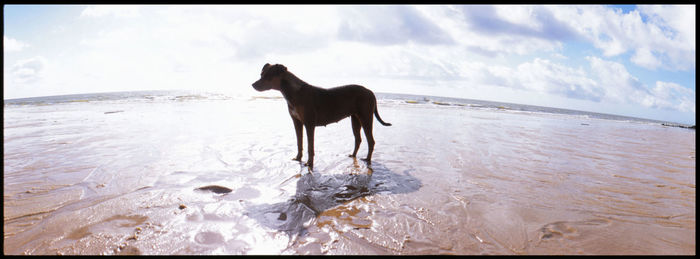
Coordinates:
[376,114]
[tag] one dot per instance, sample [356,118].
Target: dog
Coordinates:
[311,106]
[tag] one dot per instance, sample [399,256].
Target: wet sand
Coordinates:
[199,176]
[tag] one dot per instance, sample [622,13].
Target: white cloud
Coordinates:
[522,15]
[385,25]
[673,96]
[114,10]
[494,31]
[666,40]
[12,45]
[28,70]
[619,84]
[606,82]
[559,56]
[676,20]
[674,33]
[542,75]
[645,58]
[622,87]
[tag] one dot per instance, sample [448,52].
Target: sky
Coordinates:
[619,59]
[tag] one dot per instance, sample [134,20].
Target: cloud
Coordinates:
[258,38]
[387,25]
[673,96]
[28,70]
[120,11]
[644,57]
[660,36]
[525,21]
[503,30]
[240,32]
[605,82]
[12,45]
[621,86]
[198,46]
[673,30]
[542,75]
[674,20]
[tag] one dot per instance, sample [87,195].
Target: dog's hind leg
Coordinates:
[367,127]
[310,140]
[356,131]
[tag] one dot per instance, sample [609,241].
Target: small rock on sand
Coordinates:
[215,189]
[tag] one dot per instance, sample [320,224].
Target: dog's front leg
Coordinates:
[298,128]
[310,137]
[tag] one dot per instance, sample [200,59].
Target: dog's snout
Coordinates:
[257,86]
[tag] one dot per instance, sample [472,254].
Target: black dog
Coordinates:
[311,106]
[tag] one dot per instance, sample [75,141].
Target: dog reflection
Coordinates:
[317,193]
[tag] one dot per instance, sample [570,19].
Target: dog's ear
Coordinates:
[266,65]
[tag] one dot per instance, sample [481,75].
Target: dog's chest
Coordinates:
[296,112]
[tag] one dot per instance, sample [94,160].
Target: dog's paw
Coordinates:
[351,155]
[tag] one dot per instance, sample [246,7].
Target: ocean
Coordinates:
[387,97]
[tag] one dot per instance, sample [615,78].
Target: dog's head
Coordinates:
[270,77]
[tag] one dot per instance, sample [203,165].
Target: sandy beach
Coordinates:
[202,175]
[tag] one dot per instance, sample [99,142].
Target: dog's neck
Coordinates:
[291,83]
[289,86]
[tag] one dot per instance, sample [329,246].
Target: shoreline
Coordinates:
[408,98]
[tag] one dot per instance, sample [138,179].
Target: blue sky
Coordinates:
[628,60]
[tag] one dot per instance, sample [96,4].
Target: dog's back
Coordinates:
[337,103]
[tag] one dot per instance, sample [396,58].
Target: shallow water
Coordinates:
[122,177]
